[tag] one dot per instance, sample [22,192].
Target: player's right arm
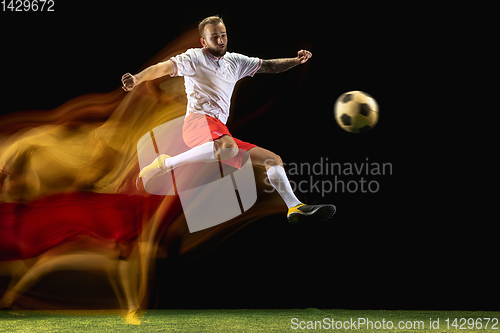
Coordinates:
[153,72]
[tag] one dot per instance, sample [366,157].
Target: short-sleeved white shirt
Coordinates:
[210,81]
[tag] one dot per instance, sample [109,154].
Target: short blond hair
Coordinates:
[209,20]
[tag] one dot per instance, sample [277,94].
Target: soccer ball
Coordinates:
[356,112]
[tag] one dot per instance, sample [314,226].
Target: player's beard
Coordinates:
[217,52]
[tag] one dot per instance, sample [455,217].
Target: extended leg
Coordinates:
[221,149]
[297,211]
[275,173]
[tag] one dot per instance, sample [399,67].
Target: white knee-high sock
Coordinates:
[277,178]
[201,153]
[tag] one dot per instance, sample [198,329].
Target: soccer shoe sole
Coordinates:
[319,214]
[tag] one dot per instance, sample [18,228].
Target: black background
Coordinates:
[419,242]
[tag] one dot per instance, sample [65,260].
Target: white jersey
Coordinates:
[210,81]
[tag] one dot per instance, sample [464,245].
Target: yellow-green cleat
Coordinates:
[155,169]
[310,213]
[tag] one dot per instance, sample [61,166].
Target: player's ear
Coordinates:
[203,43]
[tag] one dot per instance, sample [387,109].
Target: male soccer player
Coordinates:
[210,74]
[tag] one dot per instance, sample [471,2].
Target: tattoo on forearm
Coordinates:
[277,65]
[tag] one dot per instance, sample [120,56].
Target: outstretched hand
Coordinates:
[303,56]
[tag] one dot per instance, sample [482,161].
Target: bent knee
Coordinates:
[226,153]
[226,149]
[273,160]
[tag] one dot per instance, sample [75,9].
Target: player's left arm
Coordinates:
[281,65]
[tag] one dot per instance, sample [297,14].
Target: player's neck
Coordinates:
[215,57]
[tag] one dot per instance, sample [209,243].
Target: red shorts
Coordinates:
[200,128]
